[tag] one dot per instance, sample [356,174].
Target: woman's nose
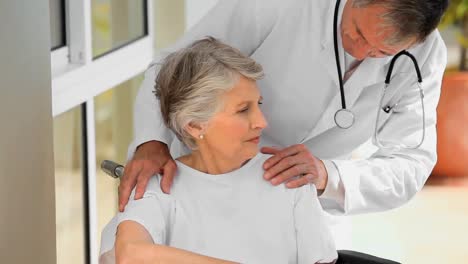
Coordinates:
[259,121]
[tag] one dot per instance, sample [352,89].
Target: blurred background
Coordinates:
[432,228]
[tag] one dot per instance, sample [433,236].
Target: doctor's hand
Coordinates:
[150,158]
[294,165]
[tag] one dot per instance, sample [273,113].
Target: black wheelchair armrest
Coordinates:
[353,257]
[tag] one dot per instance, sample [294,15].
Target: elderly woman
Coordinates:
[220,209]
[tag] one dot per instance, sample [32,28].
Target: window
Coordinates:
[69,187]
[57,24]
[100,50]
[88,60]
[116,23]
[108,42]
[113,111]
[58,35]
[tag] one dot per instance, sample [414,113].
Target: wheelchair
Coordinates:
[344,256]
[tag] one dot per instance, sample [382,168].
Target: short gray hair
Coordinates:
[411,18]
[191,81]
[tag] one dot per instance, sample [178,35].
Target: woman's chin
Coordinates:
[252,151]
[246,152]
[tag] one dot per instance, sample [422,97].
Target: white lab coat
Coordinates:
[293,40]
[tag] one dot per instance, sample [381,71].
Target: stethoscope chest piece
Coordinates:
[344,118]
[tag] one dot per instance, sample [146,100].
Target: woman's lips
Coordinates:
[255,140]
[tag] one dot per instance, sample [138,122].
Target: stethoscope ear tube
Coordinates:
[392,64]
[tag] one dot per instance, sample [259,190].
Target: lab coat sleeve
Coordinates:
[241,24]
[315,243]
[390,178]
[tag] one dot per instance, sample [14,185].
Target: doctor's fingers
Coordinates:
[127,182]
[168,173]
[280,155]
[148,170]
[137,172]
[290,173]
[270,150]
[302,180]
[143,179]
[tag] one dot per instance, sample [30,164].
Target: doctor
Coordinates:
[294,42]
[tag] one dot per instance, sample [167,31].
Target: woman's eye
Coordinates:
[244,110]
[247,108]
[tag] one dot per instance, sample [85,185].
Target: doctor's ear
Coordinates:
[195,130]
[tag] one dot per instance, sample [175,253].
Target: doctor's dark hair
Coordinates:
[410,18]
[191,81]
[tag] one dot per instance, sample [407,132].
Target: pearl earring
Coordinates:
[201,136]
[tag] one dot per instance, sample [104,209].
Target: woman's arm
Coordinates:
[315,243]
[134,245]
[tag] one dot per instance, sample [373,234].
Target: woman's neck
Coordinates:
[210,163]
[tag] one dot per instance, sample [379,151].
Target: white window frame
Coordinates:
[77,79]
[59,60]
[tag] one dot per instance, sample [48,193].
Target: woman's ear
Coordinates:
[195,130]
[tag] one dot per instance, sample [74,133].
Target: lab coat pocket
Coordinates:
[387,103]
[390,98]
[384,114]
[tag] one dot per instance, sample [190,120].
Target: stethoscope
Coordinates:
[344,118]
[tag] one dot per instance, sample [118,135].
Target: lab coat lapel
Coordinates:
[327,59]
[327,55]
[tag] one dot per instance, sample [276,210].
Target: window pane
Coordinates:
[114,131]
[69,190]
[57,24]
[116,23]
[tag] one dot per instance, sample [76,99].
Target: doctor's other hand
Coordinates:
[288,163]
[150,158]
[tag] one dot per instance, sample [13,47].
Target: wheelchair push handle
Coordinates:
[113,169]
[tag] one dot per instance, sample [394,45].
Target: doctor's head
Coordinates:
[209,99]
[380,28]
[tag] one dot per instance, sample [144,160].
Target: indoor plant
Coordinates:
[452,111]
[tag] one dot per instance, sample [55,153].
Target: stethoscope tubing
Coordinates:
[337,57]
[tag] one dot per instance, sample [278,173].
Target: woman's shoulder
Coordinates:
[261,158]
[255,165]
[277,191]
[154,186]
[303,190]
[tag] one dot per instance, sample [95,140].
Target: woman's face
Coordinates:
[235,131]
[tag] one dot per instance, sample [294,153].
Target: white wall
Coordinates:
[27,189]
[196,9]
